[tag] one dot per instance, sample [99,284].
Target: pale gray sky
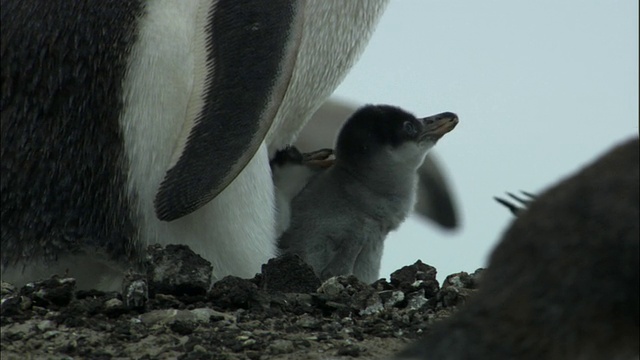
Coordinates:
[541,88]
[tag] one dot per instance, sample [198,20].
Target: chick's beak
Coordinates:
[434,127]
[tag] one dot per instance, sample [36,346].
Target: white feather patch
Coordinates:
[162,94]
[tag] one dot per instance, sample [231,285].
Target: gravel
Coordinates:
[282,313]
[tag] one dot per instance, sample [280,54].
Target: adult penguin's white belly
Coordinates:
[159,118]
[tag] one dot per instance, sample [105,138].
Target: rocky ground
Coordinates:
[282,313]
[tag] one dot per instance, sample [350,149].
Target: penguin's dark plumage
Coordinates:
[563,281]
[62,162]
[128,123]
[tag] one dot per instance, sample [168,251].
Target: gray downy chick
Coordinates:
[291,170]
[435,197]
[340,219]
[563,282]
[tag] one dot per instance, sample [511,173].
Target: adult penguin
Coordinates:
[127,123]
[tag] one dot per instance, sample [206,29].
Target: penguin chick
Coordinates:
[340,219]
[291,171]
[563,282]
[435,197]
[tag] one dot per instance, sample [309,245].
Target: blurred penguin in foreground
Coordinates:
[563,282]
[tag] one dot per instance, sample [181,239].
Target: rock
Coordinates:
[12,305]
[50,334]
[114,306]
[416,300]
[300,302]
[463,280]
[308,322]
[281,347]
[289,274]
[374,306]
[235,293]
[113,303]
[51,292]
[171,316]
[17,331]
[332,287]
[238,319]
[457,288]
[7,289]
[349,350]
[183,327]
[204,315]
[46,325]
[346,294]
[415,277]
[391,298]
[135,290]
[162,316]
[177,270]
[199,349]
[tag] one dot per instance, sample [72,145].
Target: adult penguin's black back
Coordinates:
[53,53]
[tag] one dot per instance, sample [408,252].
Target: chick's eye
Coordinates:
[409,128]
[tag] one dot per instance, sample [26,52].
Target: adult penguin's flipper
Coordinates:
[435,199]
[245,52]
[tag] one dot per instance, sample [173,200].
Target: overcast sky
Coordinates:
[541,88]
